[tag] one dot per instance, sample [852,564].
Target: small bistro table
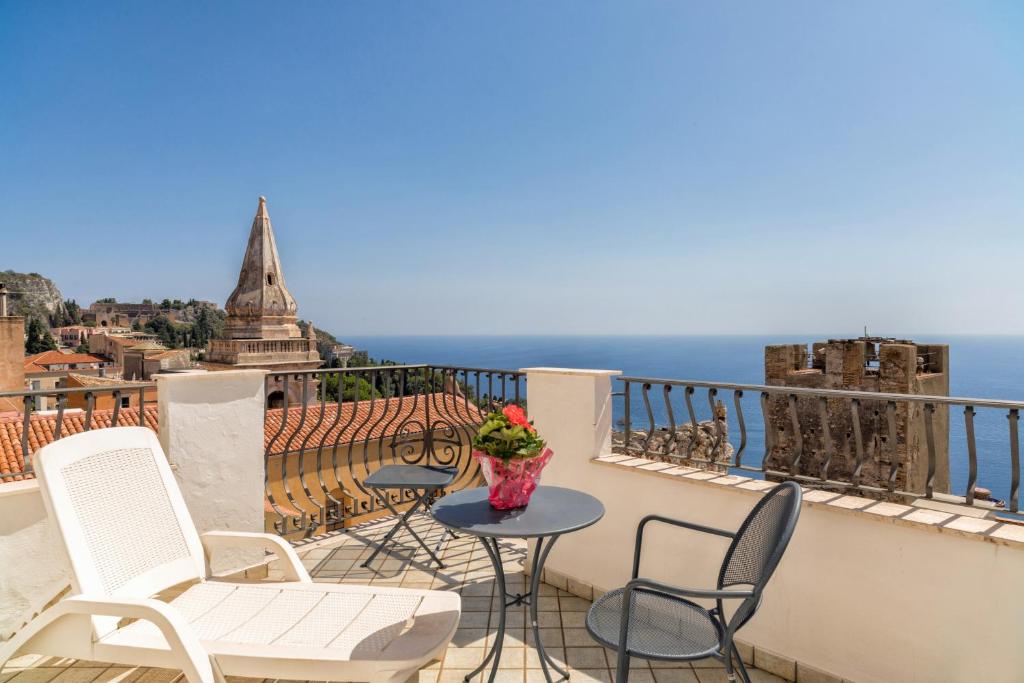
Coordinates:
[552,511]
[424,482]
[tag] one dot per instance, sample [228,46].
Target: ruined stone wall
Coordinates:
[860,365]
[710,447]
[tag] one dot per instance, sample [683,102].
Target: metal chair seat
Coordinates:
[660,626]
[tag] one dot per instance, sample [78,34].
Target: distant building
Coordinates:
[873,364]
[113,345]
[54,361]
[338,352]
[109,315]
[106,400]
[73,336]
[261,329]
[148,358]
[50,369]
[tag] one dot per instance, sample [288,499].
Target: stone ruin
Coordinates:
[711,450]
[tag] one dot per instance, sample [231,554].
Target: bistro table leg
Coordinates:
[506,600]
[494,552]
[540,554]
[403,520]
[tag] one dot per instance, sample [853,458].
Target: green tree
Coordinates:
[72,313]
[38,338]
[172,336]
[352,388]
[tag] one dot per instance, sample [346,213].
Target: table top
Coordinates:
[411,477]
[552,510]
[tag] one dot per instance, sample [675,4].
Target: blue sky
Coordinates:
[535,167]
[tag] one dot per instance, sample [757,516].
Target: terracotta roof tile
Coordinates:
[376,419]
[365,419]
[46,358]
[41,429]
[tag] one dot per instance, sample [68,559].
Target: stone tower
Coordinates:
[873,364]
[12,353]
[262,328]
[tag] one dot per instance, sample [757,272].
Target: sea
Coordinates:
[980,367]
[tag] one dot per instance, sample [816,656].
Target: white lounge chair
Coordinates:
[129,537]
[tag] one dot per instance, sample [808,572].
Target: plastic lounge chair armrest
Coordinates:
[175,630]
[673,522]
[290,562]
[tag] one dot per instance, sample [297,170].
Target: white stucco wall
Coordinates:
[211,427]
[33,567]
[861,596]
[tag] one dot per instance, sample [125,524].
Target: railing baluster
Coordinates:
[670,443]
[694,428]
[90,403]
[894,460]
[627,427]
[929,437]
[717,444]
[26,426]
[117,408]
[645,393]
[737,396]
[769,437]
[826,437]
[858,441]
[972,454]
[798,437]
[1014,417]
[280,525]
[62,400]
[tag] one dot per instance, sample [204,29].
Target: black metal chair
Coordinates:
[653,620]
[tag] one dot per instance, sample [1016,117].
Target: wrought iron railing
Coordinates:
[882,444]
[327,430]
[77,409]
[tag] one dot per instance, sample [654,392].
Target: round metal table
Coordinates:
[552,511]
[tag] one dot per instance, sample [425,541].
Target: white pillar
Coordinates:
[211,427]
[572,411]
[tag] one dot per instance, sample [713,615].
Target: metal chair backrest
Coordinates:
[756,550]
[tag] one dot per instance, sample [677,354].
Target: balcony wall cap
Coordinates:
[959,523]
[582,372]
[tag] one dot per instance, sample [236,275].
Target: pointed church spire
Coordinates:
[261,305]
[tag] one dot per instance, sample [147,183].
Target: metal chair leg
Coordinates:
[740,666]
[622,668]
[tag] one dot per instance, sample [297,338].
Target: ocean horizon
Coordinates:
[981,366]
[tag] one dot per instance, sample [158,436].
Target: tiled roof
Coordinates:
[373,419]
[378,418]
[41,429]
[78,380]
[41,362]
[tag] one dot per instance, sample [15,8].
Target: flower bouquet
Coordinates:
[511,456]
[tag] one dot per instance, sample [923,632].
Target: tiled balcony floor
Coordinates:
[467,571]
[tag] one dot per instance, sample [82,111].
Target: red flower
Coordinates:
[517,416]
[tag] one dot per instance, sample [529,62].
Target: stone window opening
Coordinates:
[270,279]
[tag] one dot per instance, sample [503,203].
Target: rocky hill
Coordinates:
[33,296]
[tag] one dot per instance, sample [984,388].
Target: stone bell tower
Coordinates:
[262,328]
